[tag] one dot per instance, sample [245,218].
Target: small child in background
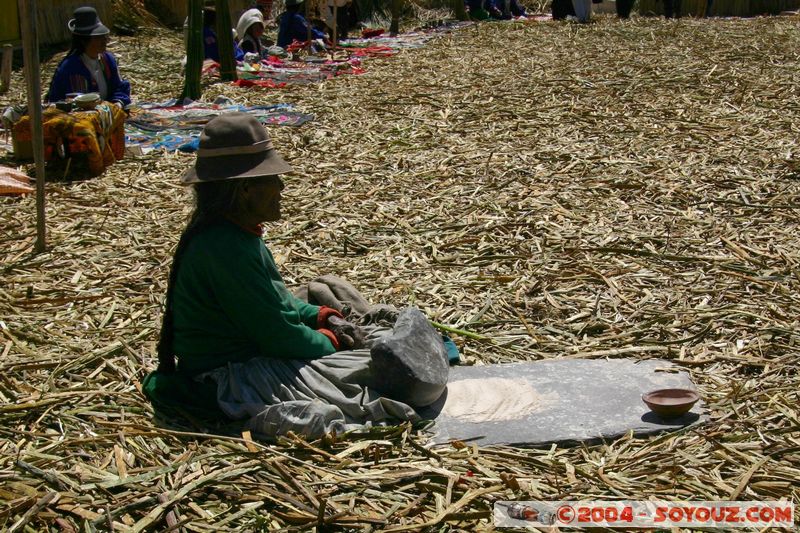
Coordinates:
[250,28]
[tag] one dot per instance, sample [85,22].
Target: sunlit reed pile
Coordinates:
[619,189]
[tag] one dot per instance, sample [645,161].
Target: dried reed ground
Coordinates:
[617,189]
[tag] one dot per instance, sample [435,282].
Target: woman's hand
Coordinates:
[350,336]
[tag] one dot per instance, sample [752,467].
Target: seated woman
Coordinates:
[88,67]
[293,26]
[210,42]
[245,346]
[250,28]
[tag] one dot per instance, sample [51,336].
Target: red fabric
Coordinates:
[324,314]
[209,65]
[375,51]
[274,61]
[366,33]
[331,337]
[260,83]
[296,45]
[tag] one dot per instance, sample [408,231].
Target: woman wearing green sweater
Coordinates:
[233,338]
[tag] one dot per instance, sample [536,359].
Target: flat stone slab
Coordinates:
[565,401]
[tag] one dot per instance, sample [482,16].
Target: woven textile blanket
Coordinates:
[172,126]
[99,134]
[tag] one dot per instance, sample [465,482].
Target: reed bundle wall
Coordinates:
[51,19]
[173,12]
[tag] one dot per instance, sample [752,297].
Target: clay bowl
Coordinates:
[670,403]
[87,101]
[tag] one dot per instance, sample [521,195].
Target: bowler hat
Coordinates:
[235,145]
[86,22]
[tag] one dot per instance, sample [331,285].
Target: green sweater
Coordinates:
[230,304]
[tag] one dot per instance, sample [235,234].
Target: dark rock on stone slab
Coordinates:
[410,365]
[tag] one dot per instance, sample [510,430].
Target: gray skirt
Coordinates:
[309,398]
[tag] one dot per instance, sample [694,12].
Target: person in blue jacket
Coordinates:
[210,42]
[293,26]
[88,67]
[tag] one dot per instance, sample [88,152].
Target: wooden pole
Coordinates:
[227,68]
[460,10]
[5,67]
[30,52]
[308,27]
[394,28]
[194,51]
[335,22]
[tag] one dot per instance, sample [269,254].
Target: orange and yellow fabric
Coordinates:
[99,134]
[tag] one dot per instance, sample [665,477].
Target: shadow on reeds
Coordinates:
[195,423]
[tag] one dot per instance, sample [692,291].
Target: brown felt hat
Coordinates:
[232,146]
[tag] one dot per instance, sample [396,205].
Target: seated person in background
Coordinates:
[250,29]
[210,43]
[244,344]
[88,67]
[293,26]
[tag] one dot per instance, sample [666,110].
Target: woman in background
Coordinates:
[88,67]
[293,26]
[210,42]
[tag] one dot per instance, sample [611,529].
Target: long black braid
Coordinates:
[79,43]
[214,201]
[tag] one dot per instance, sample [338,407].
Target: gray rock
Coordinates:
[410,365]
[579,400]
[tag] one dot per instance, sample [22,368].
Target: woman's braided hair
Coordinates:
[214,202]
[78,46]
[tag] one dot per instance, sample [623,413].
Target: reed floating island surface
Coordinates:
[618,189]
